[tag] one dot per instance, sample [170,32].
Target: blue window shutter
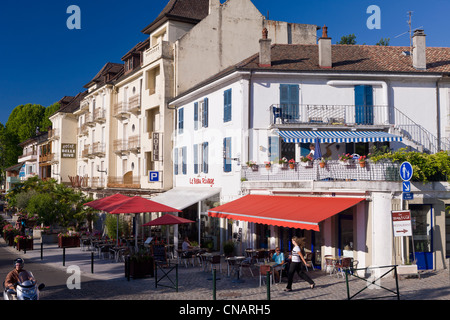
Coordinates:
[227,105]
[175,161]
[195,151]
[180,120]
[363,104]
[227,154]
[205,113]
[205,157]
[195,115]
[289,101]
[184,155]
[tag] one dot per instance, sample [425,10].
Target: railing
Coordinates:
[120,145]
[134,103]
[53,134]
[97,182]
[98,148]
[126,181]
[83,130]
[329,114]
[121,109]
[333,170]
[134,143]
[100,115]
[163,49]
[89,119]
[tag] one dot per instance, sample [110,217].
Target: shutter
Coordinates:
[289,101]
[184,160]
[205,157]
[180,120]
[227,154]
[274,147]
[205,113]
[175,158]
[227,106]
[195,151]
[363,104]
[195,115]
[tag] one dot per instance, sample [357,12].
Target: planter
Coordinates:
[362,164]
[284,166]
[407,270]
[322,164]
[254,168]
[306,164]
[292,165]
[268,166]
[22,244]
[346,162]
[139,269]
[68,242]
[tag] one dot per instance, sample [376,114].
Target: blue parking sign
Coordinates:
[154,176]
[406,171]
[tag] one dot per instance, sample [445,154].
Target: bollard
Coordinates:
[92,262]
[268,284]
[214,284]
[25,246]
[42,250]
[176,277]
[128,268]
[64,256]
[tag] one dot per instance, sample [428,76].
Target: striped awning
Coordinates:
[337,136]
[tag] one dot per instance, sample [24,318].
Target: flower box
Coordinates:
[346,162]
[68,241]
[306,163]
[23,244]
[139,268]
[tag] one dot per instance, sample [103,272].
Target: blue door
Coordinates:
[363,105]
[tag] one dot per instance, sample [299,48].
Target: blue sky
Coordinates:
[42,60]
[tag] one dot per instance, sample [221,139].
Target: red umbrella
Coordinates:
[167,219]
[102,203]
[138,204]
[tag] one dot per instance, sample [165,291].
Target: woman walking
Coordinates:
[296,265]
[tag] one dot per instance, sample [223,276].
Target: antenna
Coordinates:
[410,31]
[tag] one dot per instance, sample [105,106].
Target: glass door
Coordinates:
[421,220]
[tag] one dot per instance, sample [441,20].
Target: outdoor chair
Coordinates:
[308,259]
[263,269]
[247,264]
[260,256]
[329,264]
[343,265]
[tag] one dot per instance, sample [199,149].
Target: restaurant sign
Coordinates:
[68,150]
[401,222]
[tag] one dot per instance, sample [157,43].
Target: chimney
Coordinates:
[265,58]
[325,49]
[419,50]
[213,4]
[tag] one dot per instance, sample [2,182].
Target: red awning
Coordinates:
[284,211]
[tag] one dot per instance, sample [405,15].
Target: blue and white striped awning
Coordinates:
[337,136]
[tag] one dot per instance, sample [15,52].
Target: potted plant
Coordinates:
[323,162]
[139,265]
[252,165]
[66,240]
[228,248]
[292,164]
[283,162]
[306,161]
[362,161]
[345,159]
[268,164]
[23,242]
[9,233]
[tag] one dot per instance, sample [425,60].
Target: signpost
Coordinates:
[401,222]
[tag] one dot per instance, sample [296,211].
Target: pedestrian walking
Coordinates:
[298,264]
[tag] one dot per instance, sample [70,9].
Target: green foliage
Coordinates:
[348,39]
[111,226]
[45,121]
[383,42]
[427,167]
[24,120]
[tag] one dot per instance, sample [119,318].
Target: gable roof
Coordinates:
[74,104]
[350,58]
[192,11]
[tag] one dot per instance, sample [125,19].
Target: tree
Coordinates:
[349,39]
[383,42]
[24,120]
[45,122]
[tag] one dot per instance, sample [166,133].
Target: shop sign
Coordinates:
[401,222]
[68,150]
[209,181]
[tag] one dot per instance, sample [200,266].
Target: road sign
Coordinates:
[153,176]
[408,196]
[406,171]
[401,222]
[406,186]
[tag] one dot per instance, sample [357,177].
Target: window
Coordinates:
[227,105]
[175,161]
[363,104]
[184,160]
[201,114]
[200,157]
[180,120]
[195,152]
[274,148]
[227,155]
[205,157]
[289,102]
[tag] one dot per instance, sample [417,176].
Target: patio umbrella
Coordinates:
[105,203]
[317,152]
[137,205]
[167,219]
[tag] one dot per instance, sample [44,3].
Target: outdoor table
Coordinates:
[116,251]
[236,265]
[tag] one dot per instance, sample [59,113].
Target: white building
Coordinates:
[274,104]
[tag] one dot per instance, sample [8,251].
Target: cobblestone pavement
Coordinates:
[109,283]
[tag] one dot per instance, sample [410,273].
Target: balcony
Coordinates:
[28,156]
[53,134]
[89,119]
[134,144]
[83,130]
[54,158]
[286,115]
[98,149]
[334,170]
[120,146]
[134,104]
[97,183]
[121,110]
[162,49]
[100,115]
